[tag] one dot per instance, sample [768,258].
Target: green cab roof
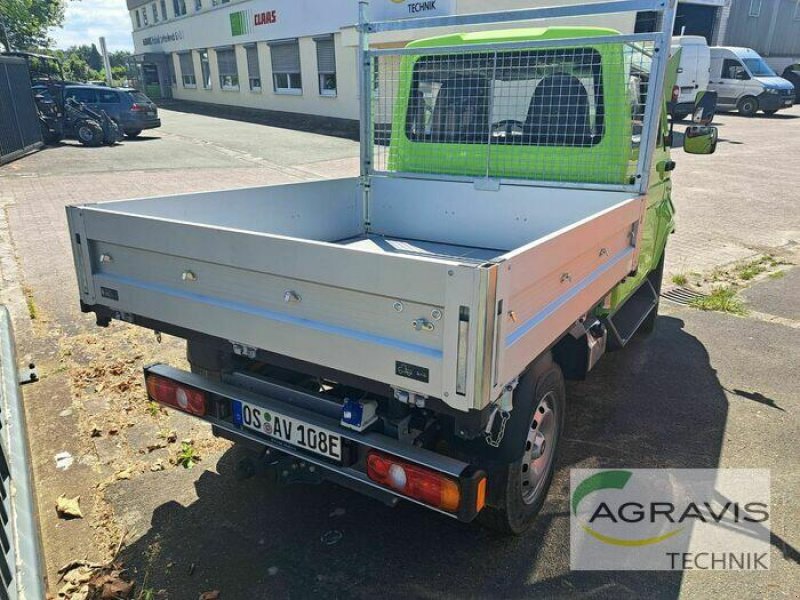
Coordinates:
[528,34]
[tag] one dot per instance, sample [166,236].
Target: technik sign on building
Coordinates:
[245,22]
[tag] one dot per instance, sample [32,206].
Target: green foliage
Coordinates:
[721,299]
[24,23]
[187,456]
[679,279]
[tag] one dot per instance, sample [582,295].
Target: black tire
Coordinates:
[771,112]
[515,503]
[133,133]
[656,277]
[748,106]
[90,133]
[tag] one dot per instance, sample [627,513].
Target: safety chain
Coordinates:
[494,442]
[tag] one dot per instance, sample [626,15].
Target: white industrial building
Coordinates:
[292,56]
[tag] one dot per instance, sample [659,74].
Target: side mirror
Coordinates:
[705,107]
[700,139]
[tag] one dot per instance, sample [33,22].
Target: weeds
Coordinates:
[721,299]
[777,275]
[680,279]
[153,409]
[187,455]
[33,312]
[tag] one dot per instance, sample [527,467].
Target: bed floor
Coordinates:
[396,245]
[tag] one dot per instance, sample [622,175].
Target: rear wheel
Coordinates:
[748,106]
[89,133]
[133,133]
[539,406]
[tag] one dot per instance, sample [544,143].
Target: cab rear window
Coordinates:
[539,98]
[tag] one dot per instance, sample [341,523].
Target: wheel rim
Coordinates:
[85,133]
[748,106]
[539,448]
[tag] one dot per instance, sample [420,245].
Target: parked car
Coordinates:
[132,109]
[792,75]
[693,73]
[744,82]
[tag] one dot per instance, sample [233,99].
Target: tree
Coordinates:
[94,59]
[24,23]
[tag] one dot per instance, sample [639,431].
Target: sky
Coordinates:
[86,20]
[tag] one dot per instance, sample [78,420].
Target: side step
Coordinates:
[624,323]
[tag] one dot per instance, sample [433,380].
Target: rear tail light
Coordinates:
[169,392]
[415,481]
[676,92]
[138,107]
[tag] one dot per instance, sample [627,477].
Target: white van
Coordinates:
[743,81]
[693,73]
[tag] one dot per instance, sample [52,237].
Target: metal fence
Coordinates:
[19,121]
[21,573]
[552,114]
[522,107]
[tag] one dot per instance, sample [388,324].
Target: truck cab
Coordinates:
[745,82]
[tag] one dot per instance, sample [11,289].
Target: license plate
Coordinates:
[286,429]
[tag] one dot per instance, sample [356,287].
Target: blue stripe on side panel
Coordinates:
[274,316]
[520,332]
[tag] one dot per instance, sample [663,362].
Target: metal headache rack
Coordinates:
[548,107]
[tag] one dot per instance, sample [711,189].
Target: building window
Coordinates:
[164,10]
[154,8]
[179,6]
[205,69]
[198,5]
[755,8]
[187,70]
[144,16]
[138,19]
[326,66]
[286,67]
[228,73]
[173,80]
[253,70]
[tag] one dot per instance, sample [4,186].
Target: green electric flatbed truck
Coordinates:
[406,333]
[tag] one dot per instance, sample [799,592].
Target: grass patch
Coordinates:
[153,409]
[777,275]
[188,456]
[721,299]
[748,271]
[680,279]
[33,312]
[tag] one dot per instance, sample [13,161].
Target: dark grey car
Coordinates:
[130,108]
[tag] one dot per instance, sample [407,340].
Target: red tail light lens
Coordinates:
[187,399]
[676,92]
[138,107]
[415,481]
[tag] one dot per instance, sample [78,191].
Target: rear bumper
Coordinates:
[323,413]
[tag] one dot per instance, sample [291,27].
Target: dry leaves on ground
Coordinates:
[69,508]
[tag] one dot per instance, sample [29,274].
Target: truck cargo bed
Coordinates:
[438,287]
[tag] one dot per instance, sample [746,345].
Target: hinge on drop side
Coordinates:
[243,350]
